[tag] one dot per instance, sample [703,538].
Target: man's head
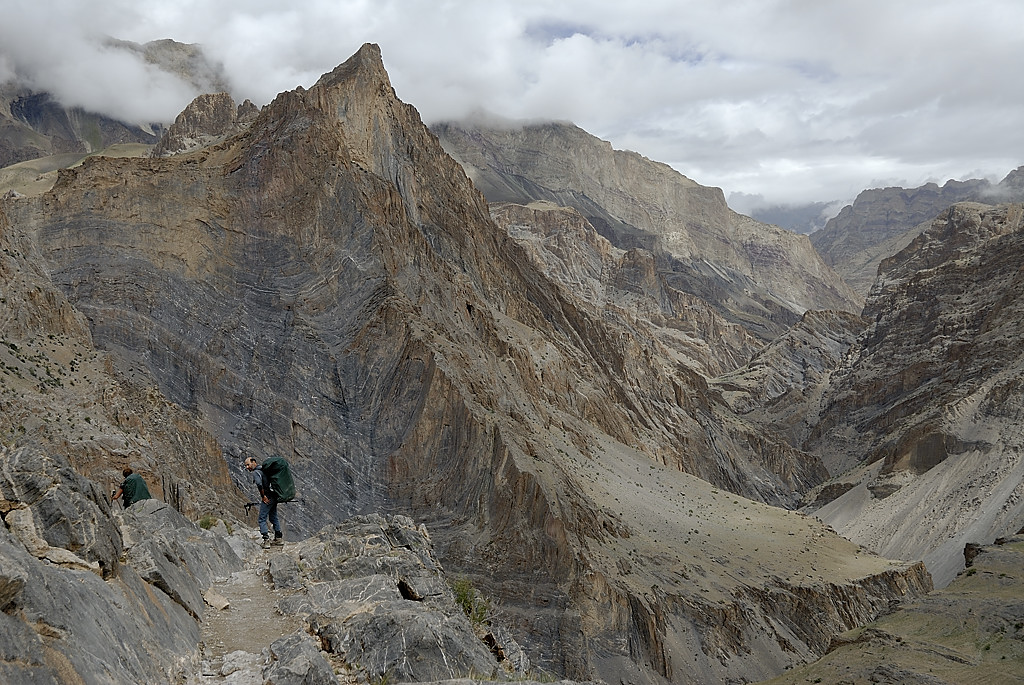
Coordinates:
[250,463]
[127,471]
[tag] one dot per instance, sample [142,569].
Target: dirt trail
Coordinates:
[249,624]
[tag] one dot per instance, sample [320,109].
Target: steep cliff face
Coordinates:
[883,221]
[755,274]
[626,285]
[929,396]
[328,285]
[968,632]
[59,392]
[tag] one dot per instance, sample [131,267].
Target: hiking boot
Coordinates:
[266,543]
[278,542]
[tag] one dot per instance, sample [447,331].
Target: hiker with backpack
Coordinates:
[133,488]
[273,471]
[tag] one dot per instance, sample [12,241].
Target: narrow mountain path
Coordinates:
[235,641]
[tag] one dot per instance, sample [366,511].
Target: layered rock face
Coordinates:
[58,391]
[754,274]
[626,285]
[883,221]
[328,285]
[928,402]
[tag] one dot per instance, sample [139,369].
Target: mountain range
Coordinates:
[605,394]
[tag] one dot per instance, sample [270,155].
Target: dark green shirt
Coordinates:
[134,489]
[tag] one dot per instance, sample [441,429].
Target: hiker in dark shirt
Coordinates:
[133,488]
[268,504]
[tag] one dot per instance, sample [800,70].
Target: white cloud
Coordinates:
[790,99]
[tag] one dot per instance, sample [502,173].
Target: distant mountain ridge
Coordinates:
[883,221]
[757,275]
[35,124]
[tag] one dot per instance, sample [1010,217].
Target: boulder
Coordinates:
[298,661]
[63,624]
[175,555]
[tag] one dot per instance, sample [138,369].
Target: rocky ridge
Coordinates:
[340,236]
[926,408]
[754,274]
[883,221]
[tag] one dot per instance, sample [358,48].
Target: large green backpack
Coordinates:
[279,474]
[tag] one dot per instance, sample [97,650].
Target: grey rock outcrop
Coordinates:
[377,597]
[780,388]
[62,621]
[170,553]
[298,661]
[56,513]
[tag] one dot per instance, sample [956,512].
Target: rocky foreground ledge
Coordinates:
[91,594]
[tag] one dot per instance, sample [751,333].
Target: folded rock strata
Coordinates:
[327,284]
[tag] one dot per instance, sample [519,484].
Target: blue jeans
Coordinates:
[269,511]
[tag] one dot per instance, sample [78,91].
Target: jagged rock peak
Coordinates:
[209,118]
[964,226]
[367,64]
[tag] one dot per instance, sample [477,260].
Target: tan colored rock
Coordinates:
[209,119]
[754,274]
[215,600]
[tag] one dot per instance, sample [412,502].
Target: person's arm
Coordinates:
[257,477]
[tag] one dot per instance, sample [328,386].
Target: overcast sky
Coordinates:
[795,100]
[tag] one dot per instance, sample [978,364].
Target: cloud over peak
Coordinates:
[790,99]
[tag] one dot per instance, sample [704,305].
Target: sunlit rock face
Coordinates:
[927,407]
[328,285]
[758,275]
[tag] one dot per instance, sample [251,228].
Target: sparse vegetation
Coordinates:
[473,604]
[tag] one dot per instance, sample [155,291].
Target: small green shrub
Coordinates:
[207,521]
[473,605]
